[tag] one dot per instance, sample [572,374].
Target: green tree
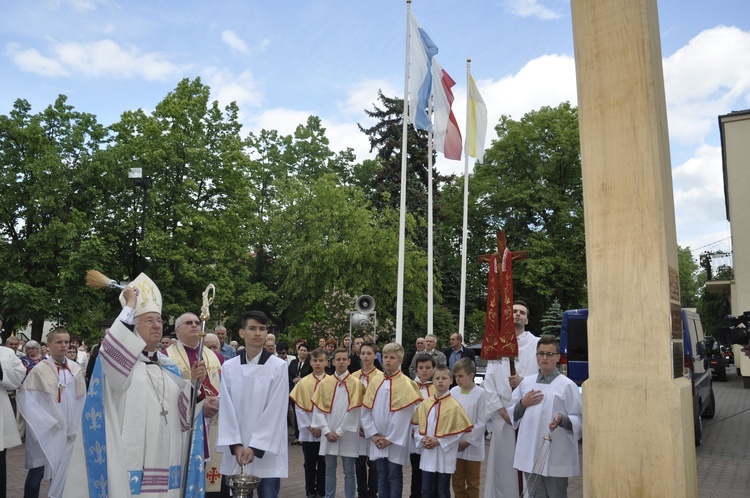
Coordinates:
[381,181]
[198,204]
[691,279]
[530,185]
[328,238]
[551,321]
[51,189]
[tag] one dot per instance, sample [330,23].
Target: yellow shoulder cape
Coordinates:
[326,392]
[403,391]
[451,417]
[371,376]
[302,393]
[430,388]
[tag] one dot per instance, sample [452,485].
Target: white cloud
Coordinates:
[545,81]
[108,58]
[226,87]
[103,58]
[700,214]
[344,135]
[707,77]
[699,193]
[363,95]
[230,38]
[31,61]
[285,121]
[530,8]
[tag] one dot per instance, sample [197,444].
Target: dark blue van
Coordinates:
[574,360]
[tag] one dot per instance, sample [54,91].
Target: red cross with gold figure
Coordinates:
[499,334]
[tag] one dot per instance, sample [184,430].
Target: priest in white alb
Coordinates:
[501,480]
[135,423]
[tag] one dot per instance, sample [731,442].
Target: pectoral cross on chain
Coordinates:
[164,413]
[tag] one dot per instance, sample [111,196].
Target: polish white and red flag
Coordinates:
[446,132]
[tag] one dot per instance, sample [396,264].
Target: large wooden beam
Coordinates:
[638,417]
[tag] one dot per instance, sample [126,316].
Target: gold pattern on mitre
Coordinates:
[451,417]
[326,392]
[149,296]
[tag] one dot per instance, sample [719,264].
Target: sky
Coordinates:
[285,60]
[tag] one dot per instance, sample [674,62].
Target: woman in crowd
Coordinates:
[299,368]
[33,355]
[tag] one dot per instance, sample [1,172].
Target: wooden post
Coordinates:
[638,416]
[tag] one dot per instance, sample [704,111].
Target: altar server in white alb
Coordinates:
[466,480]
[387,409]
[440,422]
[51,401]
[254,402]
[501,480]
[547,404]
[337,403]
[134,433]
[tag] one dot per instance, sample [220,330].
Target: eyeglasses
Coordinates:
[152,321]
[191,322]
[548,354]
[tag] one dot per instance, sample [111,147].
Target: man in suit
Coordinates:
[458,351]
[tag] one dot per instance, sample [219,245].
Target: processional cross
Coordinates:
[499,334]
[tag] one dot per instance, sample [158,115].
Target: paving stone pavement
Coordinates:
[723,461]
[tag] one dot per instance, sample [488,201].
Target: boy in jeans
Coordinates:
[367,485]
[388,407]
[466,479]
[441,422]
[302,395]
[336,413]
[425,365]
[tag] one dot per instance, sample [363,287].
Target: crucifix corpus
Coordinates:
[499,333]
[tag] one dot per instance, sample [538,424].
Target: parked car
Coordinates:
[574,360]
[481,364]
[717,361]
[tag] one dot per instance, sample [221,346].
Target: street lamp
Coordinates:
[136,177]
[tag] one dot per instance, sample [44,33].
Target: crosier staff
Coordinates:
[208,298]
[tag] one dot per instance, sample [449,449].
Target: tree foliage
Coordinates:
[551,321]
[691,279]
[529,184]
[279,223]
[50,199]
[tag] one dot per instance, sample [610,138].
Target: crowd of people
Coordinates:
[378,412]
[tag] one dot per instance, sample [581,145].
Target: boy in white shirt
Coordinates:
[425,364]
[302,395]
[539,405]
[336,405]
[466,479]
[367,473]
[388,407]
[441,422]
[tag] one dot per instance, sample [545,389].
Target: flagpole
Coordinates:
[430,276]
[402,213]
[462,306]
